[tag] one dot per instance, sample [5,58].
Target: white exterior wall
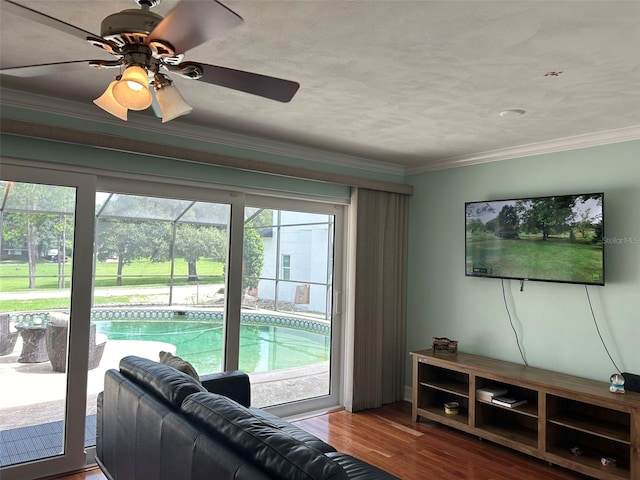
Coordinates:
[307,246]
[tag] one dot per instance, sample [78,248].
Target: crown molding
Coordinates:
[619,135]
[88,112]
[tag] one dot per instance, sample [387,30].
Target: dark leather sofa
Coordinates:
[157,423]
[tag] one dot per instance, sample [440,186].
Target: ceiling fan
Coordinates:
[146,47]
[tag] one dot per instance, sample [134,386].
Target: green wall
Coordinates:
[553,320]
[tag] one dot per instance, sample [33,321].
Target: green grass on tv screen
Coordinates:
[530,257]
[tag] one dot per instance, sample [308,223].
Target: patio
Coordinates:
[33,401]
[35,387]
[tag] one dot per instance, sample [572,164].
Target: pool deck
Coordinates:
[34,387]
[32,393]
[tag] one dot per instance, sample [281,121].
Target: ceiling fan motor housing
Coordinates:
[129,27]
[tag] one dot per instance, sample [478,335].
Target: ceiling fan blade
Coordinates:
[47,68]
[254,83]
[193,22]
[44,19]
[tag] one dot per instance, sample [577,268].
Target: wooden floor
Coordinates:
[387,438]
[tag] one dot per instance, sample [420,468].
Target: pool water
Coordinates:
[262,348]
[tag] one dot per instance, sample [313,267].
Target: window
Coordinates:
[286,267]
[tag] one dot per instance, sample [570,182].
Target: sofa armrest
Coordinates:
[233,384]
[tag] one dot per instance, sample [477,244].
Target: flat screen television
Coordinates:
[551,239]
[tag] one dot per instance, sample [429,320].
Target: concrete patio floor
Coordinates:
[33,393]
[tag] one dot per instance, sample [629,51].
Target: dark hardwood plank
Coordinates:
[388,438]
[93,473]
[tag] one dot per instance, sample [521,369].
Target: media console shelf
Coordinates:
[561,411]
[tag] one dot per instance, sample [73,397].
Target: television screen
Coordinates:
[553,239]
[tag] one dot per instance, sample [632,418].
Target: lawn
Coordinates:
[555,258]
[43,304]
[14,277]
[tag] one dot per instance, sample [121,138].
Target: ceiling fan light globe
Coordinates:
[171,102]
[134,86]
[109,104]
[132,91]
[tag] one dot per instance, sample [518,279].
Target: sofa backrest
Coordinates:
[165,382]
[140,436]
[264,444]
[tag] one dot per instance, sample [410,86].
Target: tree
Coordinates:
[259,217]
[60,229]
[547,215]
[478,209]
[587,221]
[196,241]
[475,225]
[34,216]
[507,222]
[490,226]
[130,240]
[21,229]
[598,232]
[584,223]
[252,257]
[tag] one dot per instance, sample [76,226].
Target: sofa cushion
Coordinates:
[266,445]
[164,381]
[178,363]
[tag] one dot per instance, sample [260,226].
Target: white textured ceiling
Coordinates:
[405,82]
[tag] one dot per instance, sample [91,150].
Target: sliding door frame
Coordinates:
[135,185]
[236,200]
[335,398]
[73,455]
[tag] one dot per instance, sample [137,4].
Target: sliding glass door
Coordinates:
[288,316]
[42,374]
[159,279]
[96,268]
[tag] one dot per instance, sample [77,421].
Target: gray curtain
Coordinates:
[377,306]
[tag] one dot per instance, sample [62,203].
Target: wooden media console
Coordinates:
[568,421]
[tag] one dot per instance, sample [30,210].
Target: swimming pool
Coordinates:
[267,342]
